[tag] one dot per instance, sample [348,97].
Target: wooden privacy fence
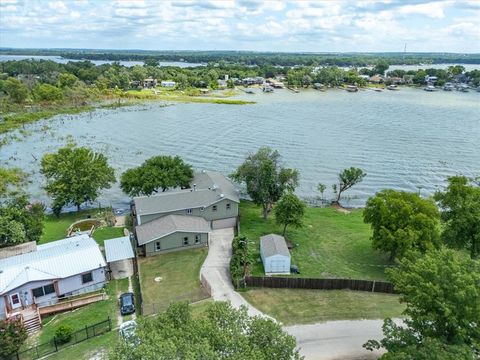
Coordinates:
[321,284]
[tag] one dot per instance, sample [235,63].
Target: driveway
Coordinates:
[333,340]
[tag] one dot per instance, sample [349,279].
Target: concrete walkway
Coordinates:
[333,340]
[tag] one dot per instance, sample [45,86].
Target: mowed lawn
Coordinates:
[298,306]
[330,245]
[178,275]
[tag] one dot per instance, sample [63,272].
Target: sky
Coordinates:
[291,26]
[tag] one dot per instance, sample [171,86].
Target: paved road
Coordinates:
[332,340]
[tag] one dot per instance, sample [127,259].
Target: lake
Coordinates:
[408,139]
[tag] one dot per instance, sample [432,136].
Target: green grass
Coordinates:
[105,233]
[85,350]
[180,279]
[331,244]
[297,306]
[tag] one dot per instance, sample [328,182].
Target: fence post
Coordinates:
[86,330]
[109,324]
[373,287]
[55,343]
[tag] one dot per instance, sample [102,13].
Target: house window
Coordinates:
[185,240]
[202,208]
[49,289]
[43,290]
[87,278]
[198,238]
[228,206]
[38,292]
[189,211]
[158,246]
[214,208]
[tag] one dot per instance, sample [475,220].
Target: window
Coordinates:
[158,246]
[214,208]
[189,211]
[202,208]
[87,278]
[185,240]
[198,238]
[228,206]
[43,290]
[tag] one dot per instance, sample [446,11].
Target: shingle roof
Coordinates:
[55,260]
[273,244]
[118,249]
[210,187]
[169,224]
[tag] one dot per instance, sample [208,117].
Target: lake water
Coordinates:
[407,139]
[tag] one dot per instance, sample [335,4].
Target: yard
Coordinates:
[171,277]
[297,306]
[331,244]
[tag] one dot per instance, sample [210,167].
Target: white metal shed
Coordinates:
[275,255]
[119,254]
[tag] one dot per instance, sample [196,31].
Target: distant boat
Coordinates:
[352,88]
[250,91]
[429,88]
[463,88]
[267,88]
[318,86]
[377,90]
[392,87]
[448,86]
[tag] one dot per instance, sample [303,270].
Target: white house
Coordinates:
[169,84]
[275,255]
[49,272]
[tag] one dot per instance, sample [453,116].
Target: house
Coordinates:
[173,232]
[168,84]
[430,79]
[52,271]
[211,202]
[119,254]
[376,79]
[149,83]
[275,255]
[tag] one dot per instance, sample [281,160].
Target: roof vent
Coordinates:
[222,195]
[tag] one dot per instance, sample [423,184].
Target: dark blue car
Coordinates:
[127,304]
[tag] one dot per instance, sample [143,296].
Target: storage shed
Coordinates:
[119,254]
[275,254]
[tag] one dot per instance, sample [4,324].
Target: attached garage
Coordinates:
[224,223]
[275,255]
[119,255]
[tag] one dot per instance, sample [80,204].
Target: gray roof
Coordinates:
[273,244]
[54,260]
[169,224]
[210,188]
[118,249]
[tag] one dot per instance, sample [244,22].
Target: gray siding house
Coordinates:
[50,272]
[183,218]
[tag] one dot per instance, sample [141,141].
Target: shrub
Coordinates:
[63,334]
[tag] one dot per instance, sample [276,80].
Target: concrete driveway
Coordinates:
[333,340]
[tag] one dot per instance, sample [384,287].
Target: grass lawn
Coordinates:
[87,349]
[297,306]
[179,273]
[105,233]
[331,244]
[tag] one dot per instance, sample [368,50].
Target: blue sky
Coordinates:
[315,26]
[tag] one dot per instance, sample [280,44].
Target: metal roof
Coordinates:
[118,249]
[169,224]
[54,260]
[207,188]
[273,244]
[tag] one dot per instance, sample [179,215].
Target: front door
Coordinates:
[15,301]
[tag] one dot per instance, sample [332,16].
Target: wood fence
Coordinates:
[322,284]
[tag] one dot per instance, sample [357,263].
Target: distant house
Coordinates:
[134,83]
[376,79]
[50,272]
[430,79]
[149,83]
[168,84]
[275,255]
[119,255]
[210,203]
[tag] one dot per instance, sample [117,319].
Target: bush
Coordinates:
[63,334]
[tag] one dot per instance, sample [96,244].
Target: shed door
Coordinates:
[277,266]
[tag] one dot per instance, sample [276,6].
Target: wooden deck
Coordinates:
[67,305]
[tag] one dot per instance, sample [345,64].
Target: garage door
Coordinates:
[224,223]
[277,266]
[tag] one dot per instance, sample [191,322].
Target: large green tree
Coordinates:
[12,335]
[222,333]
[460,213]
[289,211]
[265,178]
[402,221]
[442,295]
[158,173]
[75,175]
[15,89]
[346,179]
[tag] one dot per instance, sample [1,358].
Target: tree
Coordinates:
[460,213]
[402,221]
[442,296]
[222,333]
[75,175]
[347,178]
[321,188]
[242,257]
[380,67]
[10,178]
[289,210]
[47,92]
[67,80]
[14,88]
[155,174]
[266,180]
[12,336]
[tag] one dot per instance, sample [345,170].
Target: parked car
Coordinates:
[127,304]
[127,332]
